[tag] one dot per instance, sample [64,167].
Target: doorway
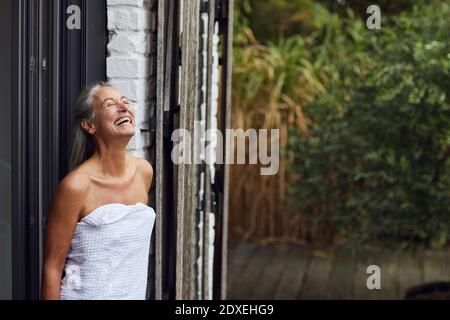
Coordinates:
[43,68]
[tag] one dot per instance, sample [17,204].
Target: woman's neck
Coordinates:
[112,162]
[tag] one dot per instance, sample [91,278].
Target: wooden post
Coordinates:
[166,101]
[176,185]
[207,263]
[159,165]
[189,89]
[226,96]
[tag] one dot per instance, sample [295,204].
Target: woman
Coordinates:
[99,227]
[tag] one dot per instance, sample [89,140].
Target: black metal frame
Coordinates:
[18,152]
[50,64]
[171,122]
[25,242]
[83,60]
[223,17]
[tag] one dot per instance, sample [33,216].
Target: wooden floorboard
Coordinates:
[318,274]
[292,276]
[249,277]
[300,272]
[264,290]
[436,266]
[410,273]
[367,257]
[238,259]
[390,289]
[232,244]
[340,284]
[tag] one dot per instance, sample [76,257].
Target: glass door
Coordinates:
[5,151]
[43,66]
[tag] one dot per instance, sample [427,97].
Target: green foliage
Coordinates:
[274,19]
[376,164]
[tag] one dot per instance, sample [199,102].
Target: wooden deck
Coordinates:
[298,272]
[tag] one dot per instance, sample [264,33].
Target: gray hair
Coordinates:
[83,146]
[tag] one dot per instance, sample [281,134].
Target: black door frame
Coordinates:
[18,87]
[50,65]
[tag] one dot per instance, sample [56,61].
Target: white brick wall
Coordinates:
[129,64]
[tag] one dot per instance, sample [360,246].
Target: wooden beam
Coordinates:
[165,191]
[186,182]
[159,166]
[227,80]
[207,263]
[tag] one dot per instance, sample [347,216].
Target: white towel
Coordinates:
[108,257]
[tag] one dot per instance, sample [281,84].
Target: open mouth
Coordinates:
[122,122]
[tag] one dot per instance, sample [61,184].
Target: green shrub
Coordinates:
[376,164]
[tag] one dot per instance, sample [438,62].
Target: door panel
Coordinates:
[5,152]
[49,65]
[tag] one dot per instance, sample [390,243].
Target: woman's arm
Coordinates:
[63,217]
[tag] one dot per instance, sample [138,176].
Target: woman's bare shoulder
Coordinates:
[144,169]
[142,165]
[70,195]
[75,182]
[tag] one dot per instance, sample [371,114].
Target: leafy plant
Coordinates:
[376,163]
